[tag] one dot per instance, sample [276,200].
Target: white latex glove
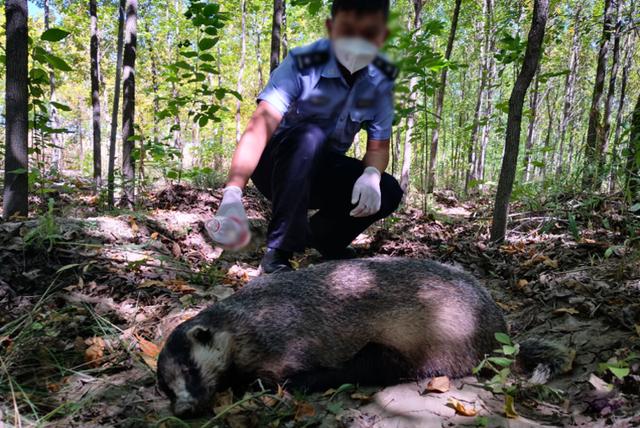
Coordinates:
[366,193]
[231,205]
[230,227]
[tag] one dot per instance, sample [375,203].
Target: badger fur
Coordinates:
[373,321]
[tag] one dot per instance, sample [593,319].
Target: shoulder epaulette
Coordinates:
[311,59]
[386,67]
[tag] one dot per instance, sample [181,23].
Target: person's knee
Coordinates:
[308,138]
[391,195]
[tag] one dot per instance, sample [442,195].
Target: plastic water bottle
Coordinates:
[228,232]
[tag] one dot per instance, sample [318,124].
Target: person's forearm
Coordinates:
[252,144]
[377,155]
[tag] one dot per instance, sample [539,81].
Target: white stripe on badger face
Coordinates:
[212,360]
[184,401]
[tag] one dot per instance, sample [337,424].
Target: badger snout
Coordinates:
[188,409]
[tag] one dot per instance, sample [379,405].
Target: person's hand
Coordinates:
[366,193]
[230,227]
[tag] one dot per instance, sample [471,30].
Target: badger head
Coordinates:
[191,364]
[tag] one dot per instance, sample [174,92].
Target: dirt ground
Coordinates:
[86,299]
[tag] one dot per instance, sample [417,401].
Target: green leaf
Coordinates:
[207,43]
[509,350]
[58,63]
[619,372]
[503,362]
[60,106]
[503,338]
[54,35]
[173,175]
[635,208]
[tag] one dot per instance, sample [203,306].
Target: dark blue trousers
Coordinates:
[298,172]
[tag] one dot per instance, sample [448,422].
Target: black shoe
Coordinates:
[341,254]
[276,261]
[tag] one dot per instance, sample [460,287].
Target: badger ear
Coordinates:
[201,335]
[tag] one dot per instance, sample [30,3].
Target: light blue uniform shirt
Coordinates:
[308,87]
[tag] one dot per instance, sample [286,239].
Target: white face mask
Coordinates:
[354,53]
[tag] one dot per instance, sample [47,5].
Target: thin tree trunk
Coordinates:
[435,135]
[570,84]
[243,55]
[472,156]
[259,57]
[95,96]
[405,175]
[592,149]
[16,159]
[129,102]
[276,33]
[285,40]
[514,121]
[116,107]
[154,82]
[56,154]
[611,93]
[633,165]
[528,147]
[615,158]
[491,71]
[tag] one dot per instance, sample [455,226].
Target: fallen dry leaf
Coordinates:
[509,407]
[460,408]
[438,384]
[304,410]
[176,250]
[134,225]
[154,235]
[95,351]
[571,311]
[358,396]
[149,352]
[522,283]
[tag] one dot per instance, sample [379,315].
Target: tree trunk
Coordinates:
[243,55]
[405,175]
[633,165]
[472,156]
[259,57]
[129,102]
[615,157]
[435,136]
[592,149]
[514,121]
[276,33]
[570,85]
[56,154]
[611,94]
[16,160]
[285,41]
[488,111]
[528,147]
[116,107]
[95,96]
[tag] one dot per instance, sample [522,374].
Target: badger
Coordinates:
[378,321]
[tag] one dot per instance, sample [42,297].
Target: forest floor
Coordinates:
[87,297]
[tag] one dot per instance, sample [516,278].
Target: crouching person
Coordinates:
[307,117]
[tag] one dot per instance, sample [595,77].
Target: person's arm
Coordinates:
[377,154]
[261,127]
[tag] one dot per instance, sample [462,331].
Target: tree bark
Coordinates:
[259,57]
[56,154]
[611,94]
[116,107]
[405,175]
[129,102]
[570,85]
[285,40]
[528,147]
[592,149]
[95,96]
[435,136]
[514,121]
[472,155]
[276,33]
[16,178]
[243,55]
[633,166]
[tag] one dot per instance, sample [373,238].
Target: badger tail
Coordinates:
[544,360]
